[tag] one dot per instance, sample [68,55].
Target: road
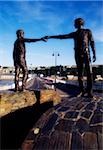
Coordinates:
[42,83]
[65,90]
[36,84]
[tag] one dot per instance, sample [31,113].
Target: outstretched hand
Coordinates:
[44,39]
[47,37]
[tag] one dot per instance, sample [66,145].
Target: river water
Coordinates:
[6,82]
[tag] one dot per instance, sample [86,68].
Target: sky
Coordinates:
[41,18]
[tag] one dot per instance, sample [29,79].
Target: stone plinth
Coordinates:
[74,124]
[10,102]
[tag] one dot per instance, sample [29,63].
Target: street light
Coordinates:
[55,55]
[31,69]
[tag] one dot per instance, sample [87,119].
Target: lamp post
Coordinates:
[31,69]
[55,55]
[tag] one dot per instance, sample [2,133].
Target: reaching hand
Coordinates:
[47,37]
[44,39]
[94,58]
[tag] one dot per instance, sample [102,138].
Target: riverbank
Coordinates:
[7,82]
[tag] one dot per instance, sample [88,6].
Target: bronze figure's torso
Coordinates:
[82,39]
[19,50]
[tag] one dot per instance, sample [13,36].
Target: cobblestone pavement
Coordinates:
[74,124]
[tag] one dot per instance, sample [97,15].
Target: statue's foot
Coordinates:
[23,89]
[90,95]
[16,90]
[81,94]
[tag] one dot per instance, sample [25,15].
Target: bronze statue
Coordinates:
[83,39]
[19,57]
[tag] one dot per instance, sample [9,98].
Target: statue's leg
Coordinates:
[17,71]
[80,77]
[25,75]
[79,62]
[89,77]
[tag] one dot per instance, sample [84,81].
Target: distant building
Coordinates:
[7,70]
[50,70]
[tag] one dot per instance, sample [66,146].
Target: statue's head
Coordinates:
[78,22]
[20,33]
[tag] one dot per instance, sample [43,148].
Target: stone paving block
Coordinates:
[100,105]
[76,141]
[96,128]
[97,119]
[60,141]
[42,143]
[67,104]
[79,106]
[82,125]
[98,112]
[71,114]
[64,125]
[63,109]
[86,114]
[100,140]
[90,141]
[49,125]
[90,106]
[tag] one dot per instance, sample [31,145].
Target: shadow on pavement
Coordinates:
[71,90]
[15,126]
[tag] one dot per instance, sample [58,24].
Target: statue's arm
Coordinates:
[33,40]
[65,36]
[92,44]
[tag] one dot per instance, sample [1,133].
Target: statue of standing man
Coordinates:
[83,39]
[19,57]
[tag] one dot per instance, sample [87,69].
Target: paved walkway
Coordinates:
[74,124]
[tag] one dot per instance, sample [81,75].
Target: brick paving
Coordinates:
[74,124]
